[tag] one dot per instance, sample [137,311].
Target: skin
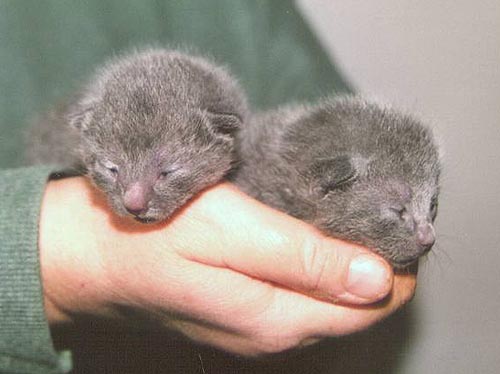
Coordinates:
[226,270]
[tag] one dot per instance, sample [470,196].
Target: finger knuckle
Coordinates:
[314,260]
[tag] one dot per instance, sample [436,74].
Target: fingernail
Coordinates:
[368,277]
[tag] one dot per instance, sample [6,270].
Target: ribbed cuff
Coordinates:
[25,341]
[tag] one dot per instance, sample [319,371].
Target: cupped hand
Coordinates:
[225,270]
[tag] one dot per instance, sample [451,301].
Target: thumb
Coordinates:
[251,238]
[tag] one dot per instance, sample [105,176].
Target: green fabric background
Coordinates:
[48,47]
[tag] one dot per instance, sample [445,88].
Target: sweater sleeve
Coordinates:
[25,341]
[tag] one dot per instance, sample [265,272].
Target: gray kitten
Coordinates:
[351,168]
[151,129]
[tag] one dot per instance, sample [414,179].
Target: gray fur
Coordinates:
[351,168]
[151,129]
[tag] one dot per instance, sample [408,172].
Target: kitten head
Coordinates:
[390,215]
[372,178]
[156,128]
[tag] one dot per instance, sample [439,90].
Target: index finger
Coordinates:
[249,237]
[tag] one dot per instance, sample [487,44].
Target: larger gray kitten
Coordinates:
[351,168]
[151,129]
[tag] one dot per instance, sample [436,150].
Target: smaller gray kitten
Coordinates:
[351,168]
[151,129]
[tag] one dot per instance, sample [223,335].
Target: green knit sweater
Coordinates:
[47,47]
[25,344]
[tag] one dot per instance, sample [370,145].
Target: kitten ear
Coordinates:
[224,123]
[334,173]
[80,112]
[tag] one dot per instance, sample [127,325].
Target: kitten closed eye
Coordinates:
[169,171]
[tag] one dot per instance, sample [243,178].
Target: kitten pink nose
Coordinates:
[135,199]
[426,236]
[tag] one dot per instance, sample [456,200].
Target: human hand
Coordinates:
[226,271]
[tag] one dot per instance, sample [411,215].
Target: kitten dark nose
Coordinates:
[135,200]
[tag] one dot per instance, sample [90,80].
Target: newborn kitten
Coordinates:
[151,129]
[351,168]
